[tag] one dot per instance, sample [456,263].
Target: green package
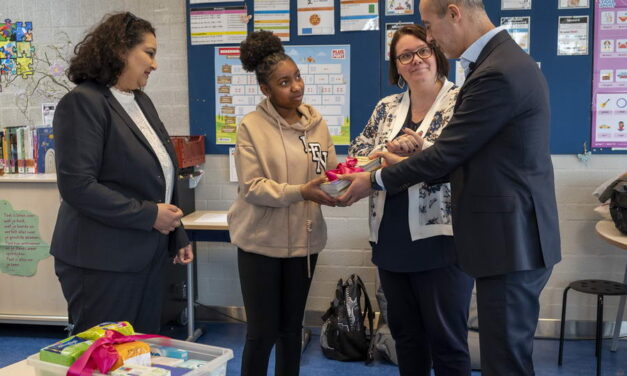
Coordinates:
[64,352]
[98,331]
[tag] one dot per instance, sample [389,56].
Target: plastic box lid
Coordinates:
[216,356]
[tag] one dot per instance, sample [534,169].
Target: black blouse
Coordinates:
[395,251]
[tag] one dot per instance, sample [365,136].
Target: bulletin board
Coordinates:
[569,77]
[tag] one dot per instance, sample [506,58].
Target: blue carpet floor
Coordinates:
[19,341]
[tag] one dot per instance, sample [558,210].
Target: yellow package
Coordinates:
[132,353]
[98,331]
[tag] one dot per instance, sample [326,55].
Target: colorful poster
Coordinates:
[609,77]
[519,29]
[21,246]
[515,4]
[16,50]
[572,35]
[572,4]
[274,16]
[324,69]
[213,25]
[359,15]
[315,17]
[399,7]
[390,29]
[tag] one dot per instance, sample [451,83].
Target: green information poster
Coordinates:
[21,247]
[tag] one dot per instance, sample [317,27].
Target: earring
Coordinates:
[401,82]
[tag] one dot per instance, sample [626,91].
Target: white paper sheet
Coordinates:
[274,16]
[315,17]
[217,25]
[572,35]
[359,15]
[515,4]
[211,218]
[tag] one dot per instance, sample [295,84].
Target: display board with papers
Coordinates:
[556,33]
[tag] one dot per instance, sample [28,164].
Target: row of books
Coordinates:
[26,150]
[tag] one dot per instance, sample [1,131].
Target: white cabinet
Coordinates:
[37,298]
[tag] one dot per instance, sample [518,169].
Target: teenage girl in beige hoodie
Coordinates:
[283,149]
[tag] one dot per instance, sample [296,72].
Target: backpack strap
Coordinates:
[367,306]
[368,312]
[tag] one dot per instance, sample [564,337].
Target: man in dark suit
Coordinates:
[495,151]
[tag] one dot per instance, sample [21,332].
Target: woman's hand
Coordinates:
[311,191]
[406,145]
[184,256]
[168,218]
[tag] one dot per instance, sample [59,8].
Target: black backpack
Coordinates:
[617,194]
[343,335]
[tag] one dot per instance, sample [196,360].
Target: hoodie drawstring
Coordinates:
[308,222]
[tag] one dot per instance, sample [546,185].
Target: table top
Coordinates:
[20,368]
[206,220]
[608,231]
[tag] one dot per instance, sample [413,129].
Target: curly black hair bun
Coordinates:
[257,46]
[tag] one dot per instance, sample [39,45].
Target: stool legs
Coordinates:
[619,317]
[599,334]
[562,324]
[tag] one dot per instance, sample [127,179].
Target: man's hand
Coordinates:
[359,188]
[168,218]
[406,145]
[184,256]
[311,191]
[388,158]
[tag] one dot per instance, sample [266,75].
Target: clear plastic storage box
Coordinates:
[216,356]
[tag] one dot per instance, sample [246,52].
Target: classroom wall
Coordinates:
[585,255]
[167,87]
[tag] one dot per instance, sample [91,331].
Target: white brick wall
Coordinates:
[585,255]
[167,86]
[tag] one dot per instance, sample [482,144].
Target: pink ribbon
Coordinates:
[344,168]
[101,354]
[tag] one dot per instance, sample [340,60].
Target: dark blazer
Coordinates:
[110,181]
[495,150]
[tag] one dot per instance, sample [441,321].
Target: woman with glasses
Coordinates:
[411,235]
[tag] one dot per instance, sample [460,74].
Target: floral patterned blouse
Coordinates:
[429,205]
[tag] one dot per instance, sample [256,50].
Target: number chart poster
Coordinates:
[325,69]
[609,82]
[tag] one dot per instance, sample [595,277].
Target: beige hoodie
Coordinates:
[273,160]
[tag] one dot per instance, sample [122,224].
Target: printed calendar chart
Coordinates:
[324,69]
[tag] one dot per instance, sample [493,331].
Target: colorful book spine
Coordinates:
[2,153]
[11,136]
[20,151]
[29,157]
[45,150]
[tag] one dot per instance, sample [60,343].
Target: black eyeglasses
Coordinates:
[408,57]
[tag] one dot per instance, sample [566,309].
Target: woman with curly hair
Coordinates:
[116,169]
[283,149]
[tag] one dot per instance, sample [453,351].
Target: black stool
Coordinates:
[600,288]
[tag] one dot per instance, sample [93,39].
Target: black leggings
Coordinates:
[275,293]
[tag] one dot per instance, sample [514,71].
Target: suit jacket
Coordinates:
[495,151]
[110,181]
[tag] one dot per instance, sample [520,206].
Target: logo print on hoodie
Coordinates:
[318,156]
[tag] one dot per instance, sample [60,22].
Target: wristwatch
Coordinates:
[373,182]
